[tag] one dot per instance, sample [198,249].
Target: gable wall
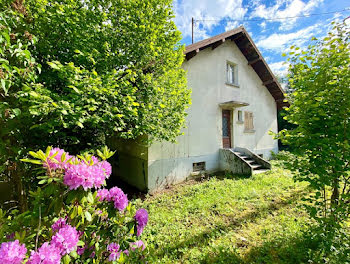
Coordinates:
[206,72]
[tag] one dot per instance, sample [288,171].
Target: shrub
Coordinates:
[73,218]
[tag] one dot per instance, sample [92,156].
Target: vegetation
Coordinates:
[70,222]
[320,80]
[233,220]
[75,73]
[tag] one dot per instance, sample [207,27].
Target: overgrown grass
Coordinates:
[250,220]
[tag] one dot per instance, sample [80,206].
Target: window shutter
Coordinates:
[248,121]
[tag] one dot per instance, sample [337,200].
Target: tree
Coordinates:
[320,80]
[109,68]
[18,73]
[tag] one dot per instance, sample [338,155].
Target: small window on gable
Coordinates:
[248,121]
[239,116]
[232,76]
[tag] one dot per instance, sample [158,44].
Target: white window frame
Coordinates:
[231,73]
[240,117]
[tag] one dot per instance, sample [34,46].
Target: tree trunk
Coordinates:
[17,181]
[335,194]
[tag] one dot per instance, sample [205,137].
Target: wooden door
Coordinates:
[226,128]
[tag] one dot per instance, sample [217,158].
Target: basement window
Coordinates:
[199,166]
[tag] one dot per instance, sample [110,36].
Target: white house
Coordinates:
[235,98]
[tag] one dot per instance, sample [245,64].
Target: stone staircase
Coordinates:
[242,161]
[253,162]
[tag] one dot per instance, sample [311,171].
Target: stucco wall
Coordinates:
[130,163]
[206,73]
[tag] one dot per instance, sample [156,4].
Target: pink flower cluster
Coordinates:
[115,195]
[66,239]
[48,254]
[113,248]
[79,173]
[136,245]
[141,218]
[58,224]
[115,251]
[12,252]
[55,159]
[63,242]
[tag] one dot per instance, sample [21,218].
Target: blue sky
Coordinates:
[271,37]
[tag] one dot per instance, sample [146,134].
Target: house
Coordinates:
[235,98]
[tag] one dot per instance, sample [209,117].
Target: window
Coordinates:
[239,117]
[232,77]
[248,121]
[198,166]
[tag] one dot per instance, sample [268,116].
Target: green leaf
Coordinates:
[90,198]
[79,124]
[6,36]
[38,162]
[88,216]
[80,243]
[66,259]
[74,212]
[16,111]
[53,65]
[3,85]
[42,182]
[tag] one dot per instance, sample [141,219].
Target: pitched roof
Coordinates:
[246,45]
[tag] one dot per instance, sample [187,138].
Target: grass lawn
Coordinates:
[230,220]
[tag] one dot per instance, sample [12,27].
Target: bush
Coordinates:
[73,219]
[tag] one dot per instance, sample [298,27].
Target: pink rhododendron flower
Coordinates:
[119,198]
[56,162]
[58,224]
[47,254]
[81,250]
[137,244]
[103,195]
[113,248]
[107,168]
[141,218]
[85,176]
[66,239]
[95,160]
[12,252]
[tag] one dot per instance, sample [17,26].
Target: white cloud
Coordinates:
[205,9]
[279,68]
[284,9]
[231,25]
[263,25]
[281,42]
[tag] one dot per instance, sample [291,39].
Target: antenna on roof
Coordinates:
[192,28]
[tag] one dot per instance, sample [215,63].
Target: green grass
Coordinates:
[237,220]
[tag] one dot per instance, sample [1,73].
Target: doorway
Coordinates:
[226,128]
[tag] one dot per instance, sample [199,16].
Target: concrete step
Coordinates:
[260,171]
[256,167]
